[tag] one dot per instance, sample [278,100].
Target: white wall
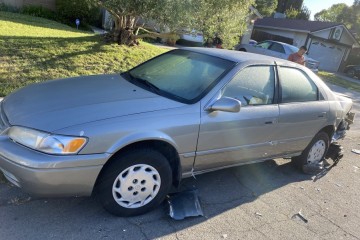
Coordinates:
[345,37]
[299,39]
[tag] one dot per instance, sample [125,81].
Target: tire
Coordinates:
[313,155]
[123,194]
[242,50]
[350,72]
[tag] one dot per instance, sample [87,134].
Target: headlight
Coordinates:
[45,142]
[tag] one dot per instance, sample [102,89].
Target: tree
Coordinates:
[284,5]
[304,13]
[226,18]
[266,7]
[336,13]
[341,13]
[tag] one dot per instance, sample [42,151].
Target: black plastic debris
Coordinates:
[184,204]
[335,152]
[313,169]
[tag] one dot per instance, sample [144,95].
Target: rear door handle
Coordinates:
[322,115]
[271,121]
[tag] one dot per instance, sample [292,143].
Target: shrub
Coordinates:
[39,11]
[7,8]
[70,10]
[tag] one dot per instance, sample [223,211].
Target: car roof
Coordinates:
[235,56]
[282,43]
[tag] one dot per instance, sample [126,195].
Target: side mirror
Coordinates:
[226,104]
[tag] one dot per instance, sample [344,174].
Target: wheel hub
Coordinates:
[136,186]
[316,152]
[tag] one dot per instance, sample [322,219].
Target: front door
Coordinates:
[227,138]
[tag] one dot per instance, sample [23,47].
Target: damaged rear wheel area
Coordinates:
[311,159]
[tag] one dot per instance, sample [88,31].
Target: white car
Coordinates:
[278,50]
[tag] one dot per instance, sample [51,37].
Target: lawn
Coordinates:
[35,49]
[332,78]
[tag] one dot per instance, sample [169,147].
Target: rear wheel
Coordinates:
[351,72]
[310,160]
[242,50]
[134,183]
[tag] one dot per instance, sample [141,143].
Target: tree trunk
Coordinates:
[124,31]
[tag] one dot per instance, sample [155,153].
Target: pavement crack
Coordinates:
[138,226]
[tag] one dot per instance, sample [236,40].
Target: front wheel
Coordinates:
[311,158]
[134,183]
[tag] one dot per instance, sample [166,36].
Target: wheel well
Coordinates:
[329,130]
[163,147]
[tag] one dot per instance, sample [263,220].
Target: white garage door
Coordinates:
[328,54]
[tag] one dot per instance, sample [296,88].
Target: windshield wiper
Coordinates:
[145,82]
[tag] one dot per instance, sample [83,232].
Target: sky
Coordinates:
[316,6]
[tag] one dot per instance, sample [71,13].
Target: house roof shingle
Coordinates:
[295,24]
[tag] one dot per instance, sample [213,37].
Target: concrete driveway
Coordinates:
[256,201]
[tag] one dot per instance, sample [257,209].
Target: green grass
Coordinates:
[332,78]
[35,49]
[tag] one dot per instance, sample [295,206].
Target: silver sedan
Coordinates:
[128,138]
[278,50]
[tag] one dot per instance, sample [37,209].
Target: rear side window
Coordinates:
[252,86]
[296,86]
[277,48]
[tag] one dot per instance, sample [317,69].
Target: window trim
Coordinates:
[318,93]
[276,82]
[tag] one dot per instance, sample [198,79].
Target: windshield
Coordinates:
[182,74]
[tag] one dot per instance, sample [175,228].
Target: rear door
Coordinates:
[303,110]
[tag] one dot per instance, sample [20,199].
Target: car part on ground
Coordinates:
[184,204]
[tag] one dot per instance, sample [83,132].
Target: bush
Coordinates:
[7,8]
[70,10]
[39,11]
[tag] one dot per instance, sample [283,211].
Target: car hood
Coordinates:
[57,104]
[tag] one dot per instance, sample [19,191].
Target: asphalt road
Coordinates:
[256,201]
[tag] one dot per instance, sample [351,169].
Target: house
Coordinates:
[328,42]
[50,4]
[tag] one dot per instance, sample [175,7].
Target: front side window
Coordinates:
[296,86]
[252,86]
[265,45]
[180,74]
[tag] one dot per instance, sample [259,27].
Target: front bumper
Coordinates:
[48,175]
